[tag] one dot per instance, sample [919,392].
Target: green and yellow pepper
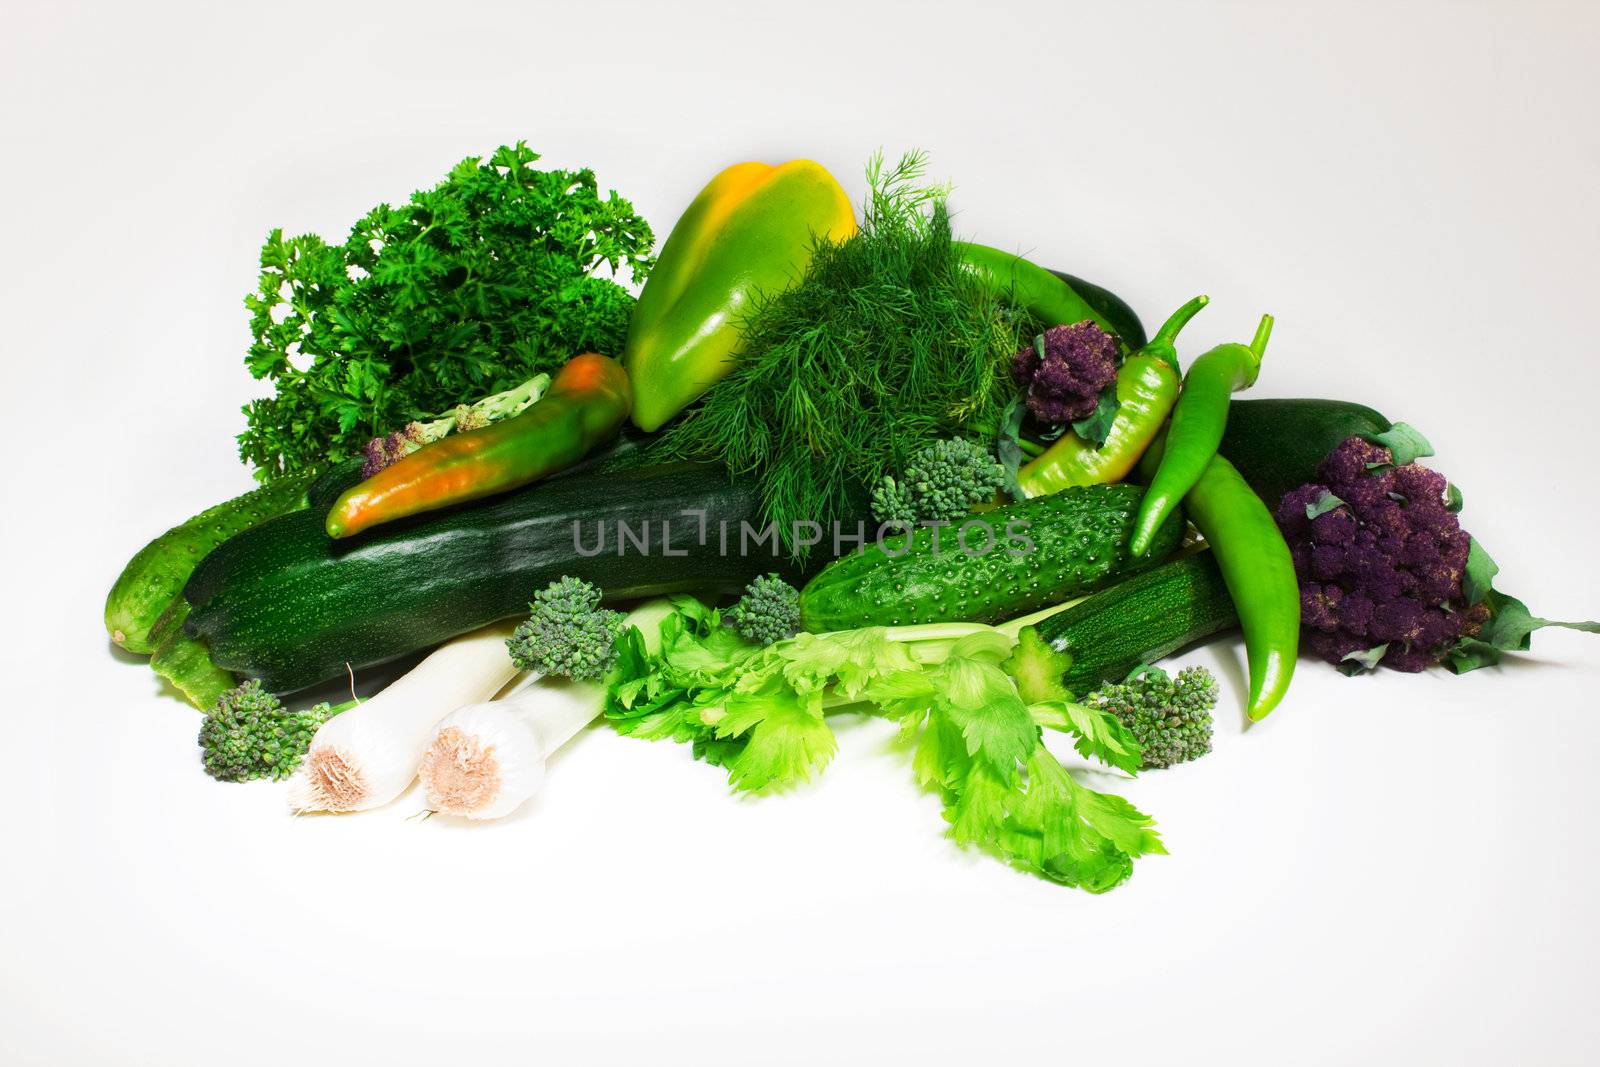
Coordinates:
[752,229]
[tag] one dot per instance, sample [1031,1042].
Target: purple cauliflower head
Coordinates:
[1381,559]
[1064,384]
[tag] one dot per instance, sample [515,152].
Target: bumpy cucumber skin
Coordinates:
[155,575]
[1277,445]
[1080,541]
[285,603]
[1142,620]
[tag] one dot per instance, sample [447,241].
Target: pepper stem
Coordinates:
[1162,345]
[1259,344]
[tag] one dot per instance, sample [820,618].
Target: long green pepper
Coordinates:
[1198,421]
[1257,569]
[1046,296]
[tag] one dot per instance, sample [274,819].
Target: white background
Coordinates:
[1396,869]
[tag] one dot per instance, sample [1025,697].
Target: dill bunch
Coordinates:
[885,344]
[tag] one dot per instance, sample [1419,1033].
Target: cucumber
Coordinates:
[1144,619]
[185,662]
[155,575]
[1279,444]
[285,603]
[1079,542]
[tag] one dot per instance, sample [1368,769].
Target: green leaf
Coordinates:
[1097,734]
[1097,427]
[1008,446]
[1404,441]
[1479,574]
[788,743]
[1362,662]
[979,809]
[1124,825]
[1509,629]
[1469,653]
[982,702]
[1324,503]
[1147,670]
[1071,834]
[940,757]
[1452,497]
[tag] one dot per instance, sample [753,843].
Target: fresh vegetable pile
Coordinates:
[871,468]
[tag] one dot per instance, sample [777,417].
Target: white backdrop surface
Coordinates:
[1398,869]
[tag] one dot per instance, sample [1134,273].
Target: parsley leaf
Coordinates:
[468,289]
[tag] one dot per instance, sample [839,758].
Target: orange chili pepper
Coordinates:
[585,405]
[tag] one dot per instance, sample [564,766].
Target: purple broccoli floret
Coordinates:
[1064,386]
[1381,564]
[384,452]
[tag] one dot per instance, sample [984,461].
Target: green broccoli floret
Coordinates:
[894,504]
[942,483]
[249,734]
[1169,717]
[568,633]
[768,612]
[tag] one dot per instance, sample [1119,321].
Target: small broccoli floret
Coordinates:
[894,504]
[568,633]
[1169,717]
[1381,560]
[768,612]
[1063,372]
[942,483]
[249,734]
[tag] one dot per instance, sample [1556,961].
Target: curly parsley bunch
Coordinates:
[469,288]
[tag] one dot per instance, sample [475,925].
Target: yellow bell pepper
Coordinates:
[751,230]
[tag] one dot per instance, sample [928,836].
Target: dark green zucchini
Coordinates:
[1109,306]
[285,603]
[333,481]
[1144,619]
[1279,444]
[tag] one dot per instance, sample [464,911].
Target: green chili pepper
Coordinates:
[1198,419]
[1147,386]
[1048,298]
[1257,569]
